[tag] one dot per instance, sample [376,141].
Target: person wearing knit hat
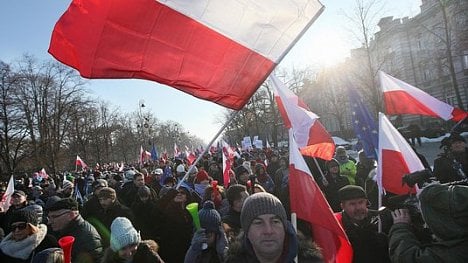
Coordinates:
[268,235]
[445,211]
[65,220]
[332,182]
[27,237]
[111,208]
[202,181]
[209,241]
[347,165]
[124,238]
[361,225]
[67,189]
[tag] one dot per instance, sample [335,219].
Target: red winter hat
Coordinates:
[202,175]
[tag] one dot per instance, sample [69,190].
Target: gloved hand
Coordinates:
[198,239]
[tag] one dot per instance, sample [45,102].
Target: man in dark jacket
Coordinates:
[236,195]
[268,235]
[445,211]
[452,165]
[65,219]
[111,209]
[361,226]
[92,206]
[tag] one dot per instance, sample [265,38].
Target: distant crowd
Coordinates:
[139,213]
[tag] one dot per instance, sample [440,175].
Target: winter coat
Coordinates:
[446,170]
[241,250]
[103,219]
[348,169]
[331,190]
[12,251]
[232,220]
[144,254]
[91,207]
[445,211]
[145,221]
[87,247]
[176,229]
[369,246]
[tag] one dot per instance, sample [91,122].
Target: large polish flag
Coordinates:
[311,137]
[402,98]
[308,202]
[396,158]
[220,51]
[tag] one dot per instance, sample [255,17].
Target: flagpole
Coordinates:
[233,114]
[320,169]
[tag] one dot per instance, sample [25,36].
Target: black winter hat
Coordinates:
[350,192]
[64,203]
[210,219]
[22,215]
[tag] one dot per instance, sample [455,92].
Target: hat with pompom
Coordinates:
[123,234]
[210,219]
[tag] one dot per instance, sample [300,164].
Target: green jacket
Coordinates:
[445,211]
[405,247]
[349,170]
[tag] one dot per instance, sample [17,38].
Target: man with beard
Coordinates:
[361,226]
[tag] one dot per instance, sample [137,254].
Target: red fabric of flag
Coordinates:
[220,51]
[309,203]
[311,137]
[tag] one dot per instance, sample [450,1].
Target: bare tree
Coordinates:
[13,132]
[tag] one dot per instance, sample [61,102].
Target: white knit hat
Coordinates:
[123,234]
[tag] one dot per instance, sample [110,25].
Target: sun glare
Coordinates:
[328,49]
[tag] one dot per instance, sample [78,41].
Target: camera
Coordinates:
[419,177]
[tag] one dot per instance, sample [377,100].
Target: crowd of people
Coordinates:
[139,214]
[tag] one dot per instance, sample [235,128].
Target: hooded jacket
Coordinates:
[241,250]
[445,210]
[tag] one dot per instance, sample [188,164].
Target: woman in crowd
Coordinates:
[26,238]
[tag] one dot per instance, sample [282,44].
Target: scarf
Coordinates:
[22,249]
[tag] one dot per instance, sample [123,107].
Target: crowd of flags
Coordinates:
[214,57]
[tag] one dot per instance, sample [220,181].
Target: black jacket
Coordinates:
[87,247]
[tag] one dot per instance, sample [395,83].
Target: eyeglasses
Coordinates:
[56,216]
[20,226]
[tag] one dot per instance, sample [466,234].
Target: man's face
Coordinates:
[237,204]
[181,197]
[106,202]
[59,219]
[266,233]
[139,181]
[17,199]
[356,209]
[458,146]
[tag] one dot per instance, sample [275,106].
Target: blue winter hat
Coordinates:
[210,219]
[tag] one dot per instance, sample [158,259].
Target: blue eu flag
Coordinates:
[364,125]
[154,153]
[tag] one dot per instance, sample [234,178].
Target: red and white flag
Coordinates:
[396,158]
[308,202]
[228,157]
[176,150]
[220,51]
[311,137]
[402,98]
[6,198]
[80,162]
[144,155]
[42,173]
